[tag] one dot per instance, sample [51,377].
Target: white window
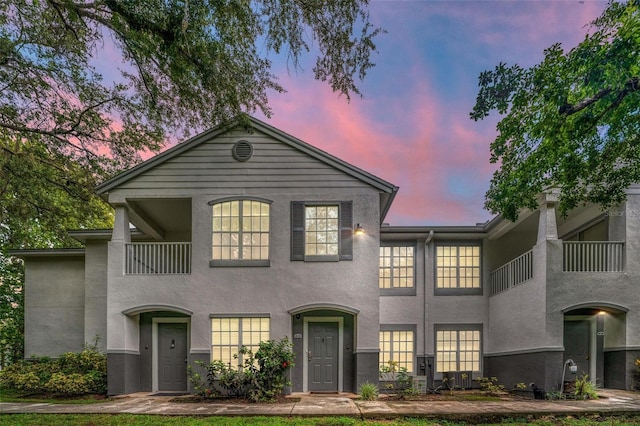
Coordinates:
[396,267]
[396,346]
[228,335]
[457,350]
[321,230]
[458,267]
[240,230]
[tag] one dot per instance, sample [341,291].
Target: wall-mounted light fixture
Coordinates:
[358,230]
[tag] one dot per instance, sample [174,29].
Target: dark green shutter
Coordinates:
[297,230]
[346,230]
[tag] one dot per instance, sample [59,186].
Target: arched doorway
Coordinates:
[593,334]
[324,343]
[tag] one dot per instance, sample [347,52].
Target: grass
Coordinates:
[7,395]
[147,420]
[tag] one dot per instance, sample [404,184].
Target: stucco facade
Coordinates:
[511,300]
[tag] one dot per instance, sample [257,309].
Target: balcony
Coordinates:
[157,258]
[511,274]
[593,256]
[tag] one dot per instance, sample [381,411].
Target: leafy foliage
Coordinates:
[368,392]
[71,374]
[490,385]
[177,66]
[584,388]
[570,122]
[183,65]
[262,377]
[636,374]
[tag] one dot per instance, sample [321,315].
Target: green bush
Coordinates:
[70,374]
[262,377]
[490,385]
[636,374]
[67,384]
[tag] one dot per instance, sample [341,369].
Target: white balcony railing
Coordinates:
[593,256]
[511,274]
[158,258]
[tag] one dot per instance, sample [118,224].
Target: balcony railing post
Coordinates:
[158,258]
[512,273]
[592,256]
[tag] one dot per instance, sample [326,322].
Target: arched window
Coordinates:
[240,231]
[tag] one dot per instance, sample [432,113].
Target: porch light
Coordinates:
[358,230]
[602,313]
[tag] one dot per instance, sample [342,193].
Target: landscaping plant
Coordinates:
[262,377]
[69,375]
[368,391]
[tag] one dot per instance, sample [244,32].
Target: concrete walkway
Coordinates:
[611,402]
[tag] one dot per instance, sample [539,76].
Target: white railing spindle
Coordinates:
[158,258]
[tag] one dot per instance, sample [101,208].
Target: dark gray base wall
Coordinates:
[367,369]
[201,357]
[542,368]
[619,366]
[123,373]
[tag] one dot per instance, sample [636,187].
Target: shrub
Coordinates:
[636,374]
[67,384]
[368,392]
[267,369]
[490,385]
[262,377]
[71,374]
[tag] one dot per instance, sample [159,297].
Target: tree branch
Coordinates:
[630,86]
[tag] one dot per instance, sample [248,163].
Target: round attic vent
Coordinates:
[242,150]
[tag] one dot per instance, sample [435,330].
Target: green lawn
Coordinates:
[146,420]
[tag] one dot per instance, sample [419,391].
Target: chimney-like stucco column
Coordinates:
[547,225]
[121,231]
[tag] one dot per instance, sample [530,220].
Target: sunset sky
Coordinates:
[412,127]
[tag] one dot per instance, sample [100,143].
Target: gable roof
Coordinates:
[387,190]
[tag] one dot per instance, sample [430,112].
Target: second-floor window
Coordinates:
[240,230]
[397,267]
[458,267]
[321,231]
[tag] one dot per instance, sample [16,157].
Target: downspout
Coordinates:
[424,308]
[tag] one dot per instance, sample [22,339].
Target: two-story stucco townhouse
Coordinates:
[247,233]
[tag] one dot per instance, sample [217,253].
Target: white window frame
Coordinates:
[238,363]
[262,261]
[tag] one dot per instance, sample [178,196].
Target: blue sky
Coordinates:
[412,127]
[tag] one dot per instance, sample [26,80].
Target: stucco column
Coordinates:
[121,231]
[547,226]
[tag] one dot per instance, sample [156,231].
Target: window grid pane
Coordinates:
[240,230]
[228,335]
[458,267]
[396,267]
[457,350]
[321,230]
[396,346]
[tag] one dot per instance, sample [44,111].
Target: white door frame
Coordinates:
[154,344]
[305,349]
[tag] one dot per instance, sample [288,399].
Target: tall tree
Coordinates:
[570,122]
[178,65]
[186,64]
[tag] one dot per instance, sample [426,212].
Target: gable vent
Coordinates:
[242,150]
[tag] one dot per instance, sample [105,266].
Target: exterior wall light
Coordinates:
[358,230]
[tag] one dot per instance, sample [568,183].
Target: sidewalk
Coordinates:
[611,402]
